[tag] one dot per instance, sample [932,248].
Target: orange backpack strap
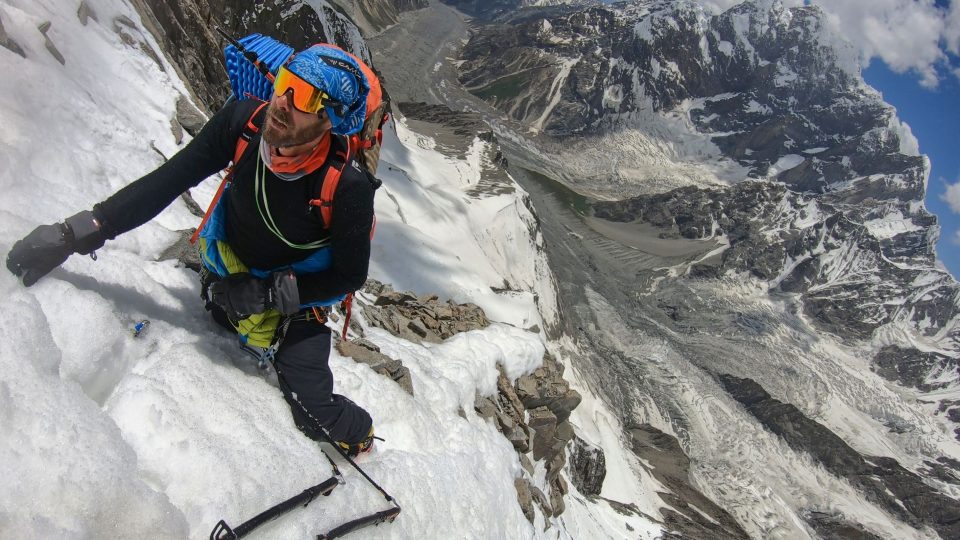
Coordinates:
[243,141]
[248,132]
[331,179]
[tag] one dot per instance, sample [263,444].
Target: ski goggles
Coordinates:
[306,97]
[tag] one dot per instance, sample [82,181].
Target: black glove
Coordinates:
[48,246]
[242,294]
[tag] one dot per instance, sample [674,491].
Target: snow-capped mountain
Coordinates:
[748,139]
[761,82]
[842,223]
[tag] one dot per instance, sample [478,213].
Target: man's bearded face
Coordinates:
[287,126]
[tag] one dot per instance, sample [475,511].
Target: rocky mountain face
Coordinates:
[882,479]
[688,514]
[185,30]
[827,251]
[760,81]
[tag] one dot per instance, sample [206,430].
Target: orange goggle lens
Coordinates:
[306,97]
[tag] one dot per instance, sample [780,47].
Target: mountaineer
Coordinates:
[288,236]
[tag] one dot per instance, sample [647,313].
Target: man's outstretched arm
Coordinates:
[48,246]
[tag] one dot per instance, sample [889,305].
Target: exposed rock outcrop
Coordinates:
[422,318]
[365,352]
[588,466]
[532,414]
[910,367]
[189,117]
[8,42]
[183,251]
[85,13]
[835,527]
[44,27]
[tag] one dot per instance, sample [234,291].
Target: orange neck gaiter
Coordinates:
[293,167]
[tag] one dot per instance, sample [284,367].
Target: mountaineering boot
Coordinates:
[363,447]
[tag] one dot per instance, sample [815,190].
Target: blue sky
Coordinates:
[934,117]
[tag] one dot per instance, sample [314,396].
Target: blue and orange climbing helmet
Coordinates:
[338,75]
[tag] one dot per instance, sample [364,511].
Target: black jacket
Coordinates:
[211,151]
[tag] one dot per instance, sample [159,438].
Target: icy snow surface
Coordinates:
[109,436]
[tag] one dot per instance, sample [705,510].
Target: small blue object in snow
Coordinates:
[140,327]
[245,80]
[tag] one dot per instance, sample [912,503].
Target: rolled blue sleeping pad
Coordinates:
[245,80]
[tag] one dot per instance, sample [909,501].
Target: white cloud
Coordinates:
[905,34]
[952,32]
[956,238]
[909,35]
[952,196]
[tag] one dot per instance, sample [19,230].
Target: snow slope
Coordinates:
[103,435]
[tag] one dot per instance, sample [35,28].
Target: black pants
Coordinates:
[307,384]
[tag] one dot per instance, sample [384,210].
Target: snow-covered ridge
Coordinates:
[160,436]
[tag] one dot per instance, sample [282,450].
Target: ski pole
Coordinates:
[222,531]
[249,55]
